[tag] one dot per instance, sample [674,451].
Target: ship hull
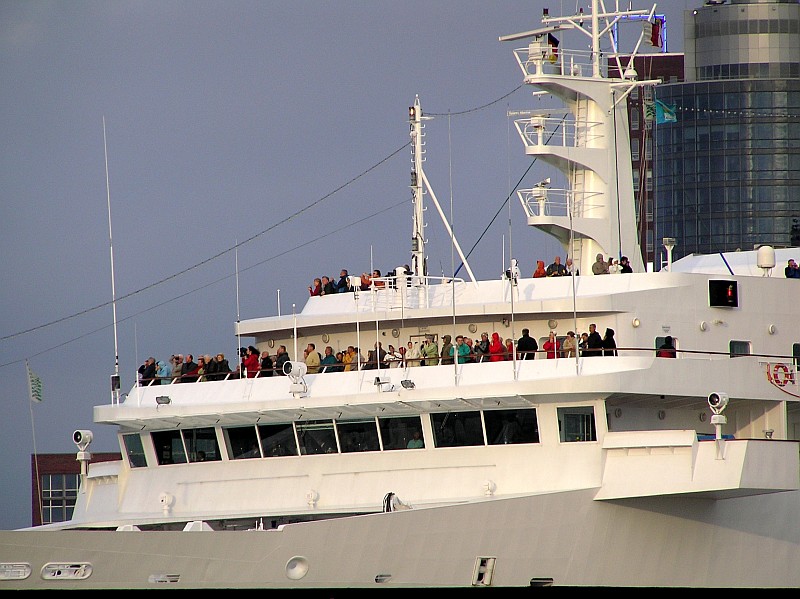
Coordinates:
[563,539]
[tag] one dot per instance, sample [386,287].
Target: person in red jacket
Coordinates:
[251,362]
[551,346]
[496,349]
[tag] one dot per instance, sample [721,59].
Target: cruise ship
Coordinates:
[641,463]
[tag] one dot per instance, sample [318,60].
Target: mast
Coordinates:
[418,265]
[588,140]
[115,380]
[419,187]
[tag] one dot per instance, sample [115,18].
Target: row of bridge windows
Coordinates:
[314,437]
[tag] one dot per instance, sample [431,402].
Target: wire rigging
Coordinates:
[333,232]
[214,257]
[508,197]
[246,241]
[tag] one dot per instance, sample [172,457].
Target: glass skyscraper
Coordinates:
[728,170]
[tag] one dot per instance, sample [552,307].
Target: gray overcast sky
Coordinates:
[224,119]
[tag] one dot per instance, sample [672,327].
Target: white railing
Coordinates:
[544,129]
[570,63]
[541,201]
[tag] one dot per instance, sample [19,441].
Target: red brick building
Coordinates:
[54,479]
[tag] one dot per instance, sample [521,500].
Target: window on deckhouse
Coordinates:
[242,442]
[576,424]
[134,450]
[277,439]
[169,447]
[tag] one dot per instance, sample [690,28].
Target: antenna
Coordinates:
[294,316]
[238,318]
[115,382]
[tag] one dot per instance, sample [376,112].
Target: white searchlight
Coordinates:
[296,371]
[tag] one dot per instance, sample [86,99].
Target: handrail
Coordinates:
[540,354]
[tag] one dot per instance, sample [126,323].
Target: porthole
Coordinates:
[296,567]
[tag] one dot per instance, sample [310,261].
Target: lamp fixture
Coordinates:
[163,400]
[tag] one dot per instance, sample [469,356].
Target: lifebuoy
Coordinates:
[782,375]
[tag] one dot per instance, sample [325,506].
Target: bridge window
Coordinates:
[316,436]
[397,431]
[457,429]
[511,426]
[169,447]
[242,442]
[358,435]
[134,450]
[277,439]
[201,444]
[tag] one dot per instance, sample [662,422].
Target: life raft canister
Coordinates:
[781,375]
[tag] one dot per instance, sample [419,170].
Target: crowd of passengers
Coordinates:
[466,350]
[347,283]
[182,369]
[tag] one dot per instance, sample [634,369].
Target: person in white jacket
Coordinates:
[412,354]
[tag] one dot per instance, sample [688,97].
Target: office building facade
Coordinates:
[728,169]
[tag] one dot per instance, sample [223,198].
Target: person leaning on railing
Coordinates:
[147,372]
[164,372]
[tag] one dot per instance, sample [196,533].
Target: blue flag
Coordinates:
[665,113]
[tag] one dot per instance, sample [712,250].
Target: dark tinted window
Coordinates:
[169,447]
[277,439]
[456,429]
[505,427]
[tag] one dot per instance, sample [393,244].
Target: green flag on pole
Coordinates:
[34,385]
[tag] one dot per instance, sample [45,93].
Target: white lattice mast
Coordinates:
[418,266]
[419,187]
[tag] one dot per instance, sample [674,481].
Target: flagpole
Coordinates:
[35,396]
[238,316]
[115,380]
[36,466]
